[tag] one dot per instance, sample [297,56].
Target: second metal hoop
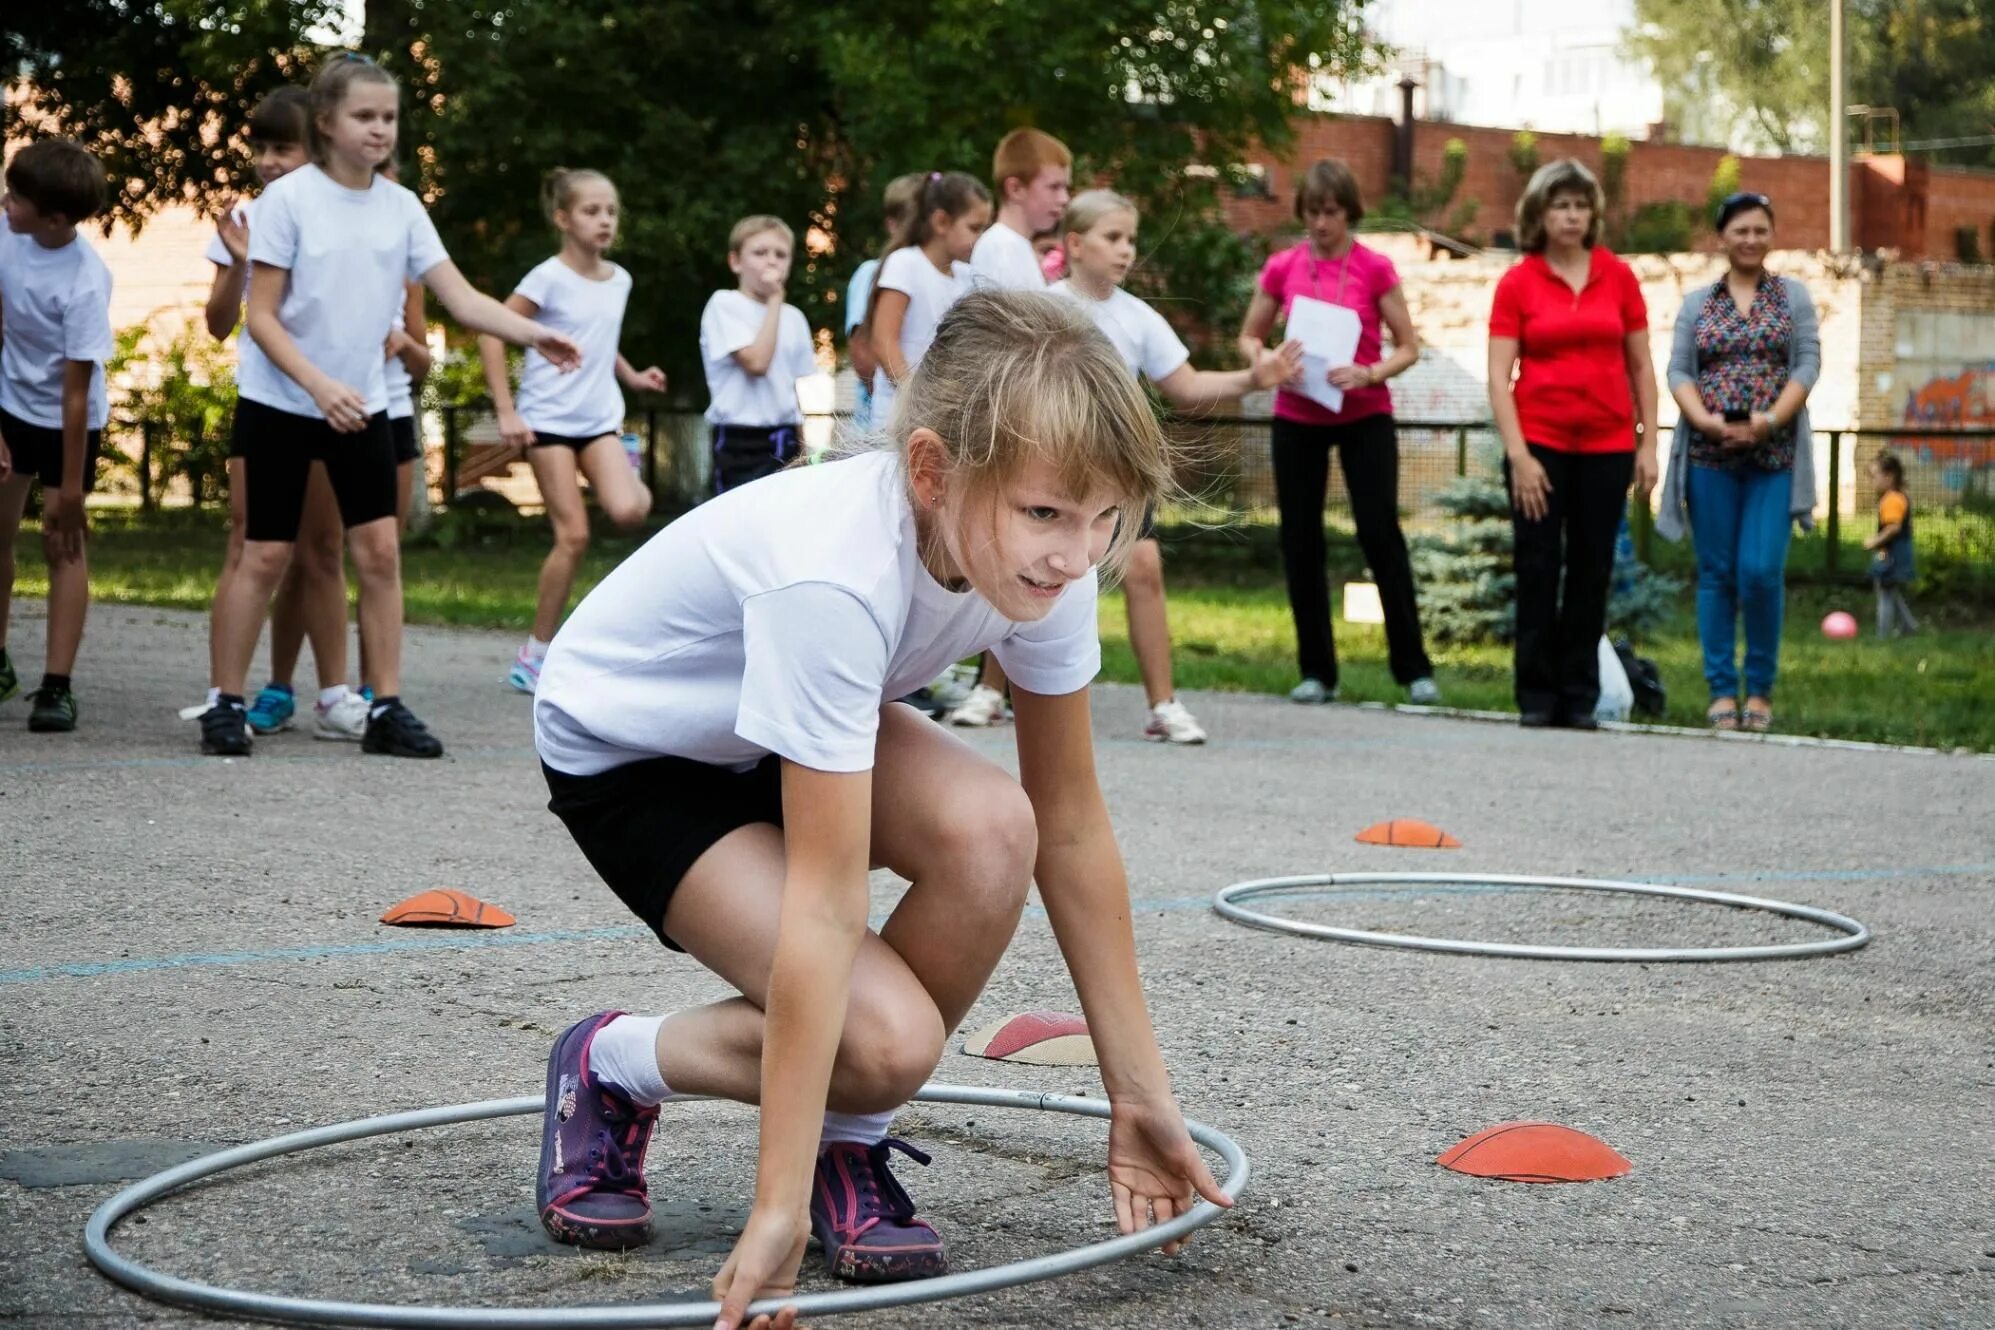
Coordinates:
[1227,902]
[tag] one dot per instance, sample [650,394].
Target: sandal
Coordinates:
[1723,715]
[1756,720]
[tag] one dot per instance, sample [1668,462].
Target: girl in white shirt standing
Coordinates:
[1100,228]
[332,247]
[921,275]
[755,348]
[718,731]
[570,423]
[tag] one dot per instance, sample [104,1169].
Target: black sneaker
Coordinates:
[10,682]
[55,711]
[395,732]
[225,730]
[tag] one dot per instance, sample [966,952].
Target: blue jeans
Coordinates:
[1739,524]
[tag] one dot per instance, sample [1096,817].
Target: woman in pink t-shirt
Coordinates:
[1330,265]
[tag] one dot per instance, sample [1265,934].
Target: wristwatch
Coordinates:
[1772,421]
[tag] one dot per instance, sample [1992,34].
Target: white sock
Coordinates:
[535,649]
[328,696]
[625,1053]
[865,1128]
[214,695]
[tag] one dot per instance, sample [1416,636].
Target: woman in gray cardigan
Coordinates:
[1741,466]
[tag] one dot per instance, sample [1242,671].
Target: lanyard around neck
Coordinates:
[1343,271]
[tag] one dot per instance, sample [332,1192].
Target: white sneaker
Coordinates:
[984,706]
[1424,693]
[345,719]
[1170,722]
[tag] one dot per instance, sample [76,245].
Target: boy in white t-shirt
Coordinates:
[55,334]
[754,348]
[1032,172]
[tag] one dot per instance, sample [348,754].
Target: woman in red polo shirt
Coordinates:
[1569,324]
[1331,265]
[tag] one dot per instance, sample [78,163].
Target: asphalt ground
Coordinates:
[191,957]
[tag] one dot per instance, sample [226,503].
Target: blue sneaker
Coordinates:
[273,709]
[591,1190]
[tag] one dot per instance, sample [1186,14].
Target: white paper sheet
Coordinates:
[1329,336]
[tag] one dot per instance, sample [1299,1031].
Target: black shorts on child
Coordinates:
[37,451]
[643,826]
[579,445]
[407,446]
[742,453]
[277,450]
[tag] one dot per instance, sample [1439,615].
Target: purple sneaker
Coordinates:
[865,1221]
[591,1189]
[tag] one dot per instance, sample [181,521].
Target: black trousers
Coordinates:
[1558,632]
[742,453]
[1369,452]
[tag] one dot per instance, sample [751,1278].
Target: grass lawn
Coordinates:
[1229,621]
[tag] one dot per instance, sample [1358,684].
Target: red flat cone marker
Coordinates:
[1042,1038]
[448,908]
[1535,1152]
[1409,832]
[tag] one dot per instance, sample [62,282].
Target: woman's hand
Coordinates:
[763,1264]
[1530,487]
[342,405]
[1155,1172]
[513,431]
[1348,377]
[1645,470]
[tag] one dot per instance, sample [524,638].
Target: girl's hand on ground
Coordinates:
[1155,1172]
[513,430]
[342,405]
[763,1264]
[561,352]
[1529,487]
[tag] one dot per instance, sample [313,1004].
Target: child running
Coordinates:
[332,247]
[1032,173]
[1101,248]
[902,194]
[311,600]
[716,731]
[921,275]
[55,335]
[569,423]
[1892,567]
[754,348]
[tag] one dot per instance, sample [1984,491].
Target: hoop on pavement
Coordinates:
[188,1293]
[1227,902]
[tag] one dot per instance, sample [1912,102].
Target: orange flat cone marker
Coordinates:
[1535,1152]
[1410,832]
[1042,1038]
[446,909]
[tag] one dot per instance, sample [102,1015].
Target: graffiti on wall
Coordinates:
[1963,401]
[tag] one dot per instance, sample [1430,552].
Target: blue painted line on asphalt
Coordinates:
[1160,905]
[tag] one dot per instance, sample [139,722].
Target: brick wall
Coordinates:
[1882,217]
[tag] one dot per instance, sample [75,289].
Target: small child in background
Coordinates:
[754,348]
[1052,254]
[902,193]
[1892,569]
[55,335]
[921,275]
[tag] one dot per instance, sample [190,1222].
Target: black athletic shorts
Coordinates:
[37,451]
[545,440]
[277,450]
[742,453]
[407,446]
[642,826]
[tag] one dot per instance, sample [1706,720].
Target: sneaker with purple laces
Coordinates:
[591,1188]
[865,1221]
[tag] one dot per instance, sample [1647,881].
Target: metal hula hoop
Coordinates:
[188,1293]
[1226,902]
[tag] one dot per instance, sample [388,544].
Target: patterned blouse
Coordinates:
[1742,366]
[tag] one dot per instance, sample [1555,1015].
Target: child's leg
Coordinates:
[619,493]
[311,601]
[1149,626]
[1886,612]
[1906,623]
[238,515]
[377,562]
[239,610]
[68,603]
[13,502]
[555,471]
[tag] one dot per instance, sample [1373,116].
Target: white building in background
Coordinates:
[1548,65]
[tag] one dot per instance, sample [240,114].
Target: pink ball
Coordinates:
[1839,623]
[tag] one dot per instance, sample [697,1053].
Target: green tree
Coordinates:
[1761,67]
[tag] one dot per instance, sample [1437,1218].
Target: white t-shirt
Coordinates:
[1004,258]
[55,306]
[779,618]
[1144,338]
[929,295]
[731,321]
[350,253]
[587,403]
